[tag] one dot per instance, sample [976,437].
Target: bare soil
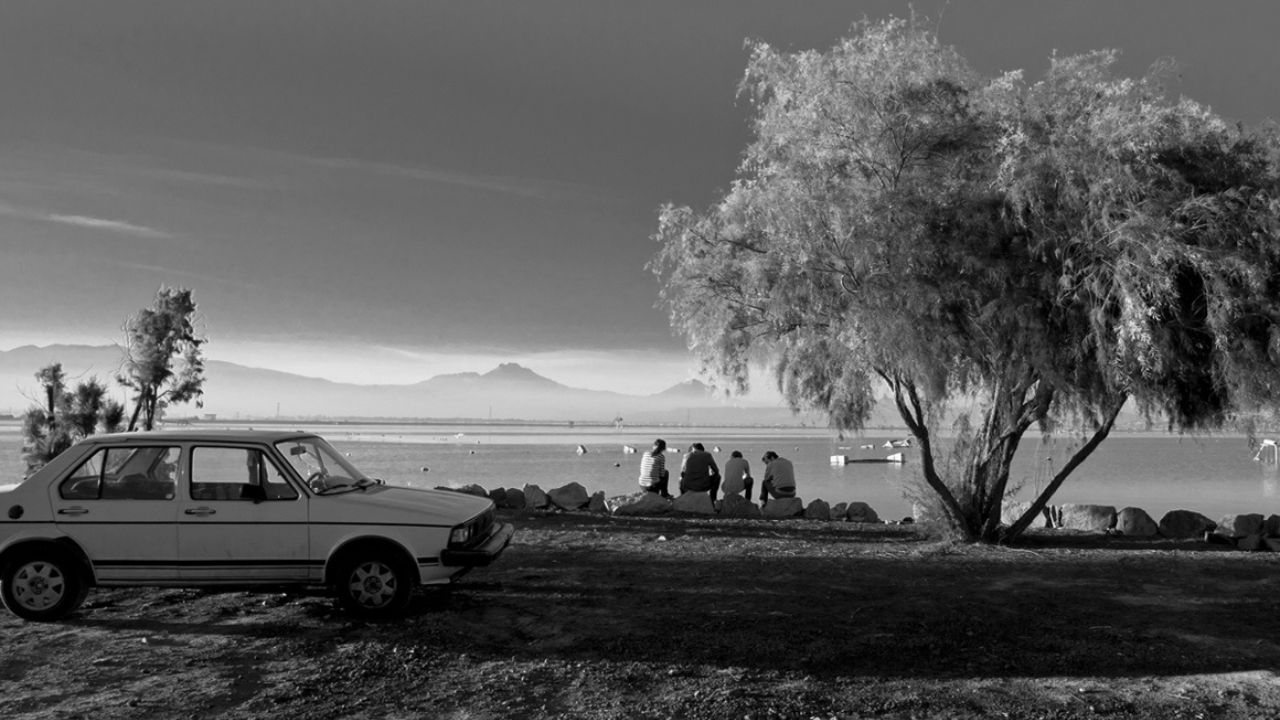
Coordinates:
[599,617]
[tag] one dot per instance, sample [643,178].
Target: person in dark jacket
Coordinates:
[698,472]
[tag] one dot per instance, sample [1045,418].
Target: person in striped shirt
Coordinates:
[653,469]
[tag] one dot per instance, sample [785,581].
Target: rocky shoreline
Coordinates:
[1251,531]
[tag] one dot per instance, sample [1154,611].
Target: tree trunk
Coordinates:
[149,412]
[1038,505]
[974,501]
[137,408]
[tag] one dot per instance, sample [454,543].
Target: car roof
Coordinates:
[194,435]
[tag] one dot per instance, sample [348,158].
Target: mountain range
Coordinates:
[507,392]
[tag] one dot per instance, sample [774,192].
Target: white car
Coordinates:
[231,508]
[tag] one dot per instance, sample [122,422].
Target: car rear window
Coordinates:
[124,473]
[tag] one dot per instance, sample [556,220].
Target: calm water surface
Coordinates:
[1214,475]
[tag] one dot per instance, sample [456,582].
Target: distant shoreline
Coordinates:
[670,428]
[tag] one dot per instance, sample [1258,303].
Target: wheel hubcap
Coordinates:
[38,585]
[373,585]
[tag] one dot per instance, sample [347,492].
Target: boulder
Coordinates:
[596,504]
[838,510]
[818,510]
[1238,526]
[515,499]
[860,512]
[1271,527]
[646,503]
[499,497]
[1010,513]
[569,497]
[694,503]
[783,508]
[617,501]
[735,506]
[1271,544]
[534,497]
[1090,518]
[474,490]
[1185,524]
[1135,522]
[1250,543]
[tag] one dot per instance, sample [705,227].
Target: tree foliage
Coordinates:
[1045,252]
[66,416]
[163,362]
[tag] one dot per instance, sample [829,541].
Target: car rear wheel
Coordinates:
[374,587]
[42,585]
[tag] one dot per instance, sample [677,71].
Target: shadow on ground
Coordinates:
[828,600]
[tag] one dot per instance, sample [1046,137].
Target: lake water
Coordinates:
[1214,475]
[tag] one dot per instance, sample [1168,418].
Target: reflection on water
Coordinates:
[1214,475]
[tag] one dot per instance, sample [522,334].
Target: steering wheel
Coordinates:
[315,481]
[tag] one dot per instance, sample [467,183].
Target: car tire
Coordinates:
[42,585]
[374,587]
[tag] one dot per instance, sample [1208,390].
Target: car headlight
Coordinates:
[460,535]
[474,528]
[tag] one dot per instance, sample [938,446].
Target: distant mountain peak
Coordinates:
[514,372]
[688,389]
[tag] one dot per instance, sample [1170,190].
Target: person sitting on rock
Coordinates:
[779,478]
[737,476]
[653,469]
[698,472]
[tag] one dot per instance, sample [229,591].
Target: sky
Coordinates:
[379,191]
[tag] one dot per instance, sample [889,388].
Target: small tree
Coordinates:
[163,363]
[1045,253]
[66,417]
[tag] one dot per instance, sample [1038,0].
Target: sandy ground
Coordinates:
[597,617]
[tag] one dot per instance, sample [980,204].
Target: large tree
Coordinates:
[1045,253]
[163,362]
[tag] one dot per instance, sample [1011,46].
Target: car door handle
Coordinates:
[73,511]
[201,511]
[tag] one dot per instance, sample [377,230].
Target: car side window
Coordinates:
[224,473]
[124,473]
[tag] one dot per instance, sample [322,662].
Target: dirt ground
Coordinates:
[598,617]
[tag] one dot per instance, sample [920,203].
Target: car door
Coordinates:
[240,519]
[119,507]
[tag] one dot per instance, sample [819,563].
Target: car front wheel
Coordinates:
[42,585]
[374,588]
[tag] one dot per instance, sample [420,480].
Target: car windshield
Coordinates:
[323,468]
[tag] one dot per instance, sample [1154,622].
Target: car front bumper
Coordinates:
[483,553]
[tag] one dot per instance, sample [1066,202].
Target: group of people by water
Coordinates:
[699,473]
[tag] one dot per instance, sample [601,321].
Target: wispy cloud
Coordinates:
[534,188]
[200,178]
[115,226]
[118,227]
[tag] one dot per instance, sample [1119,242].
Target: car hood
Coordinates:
[385,503]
